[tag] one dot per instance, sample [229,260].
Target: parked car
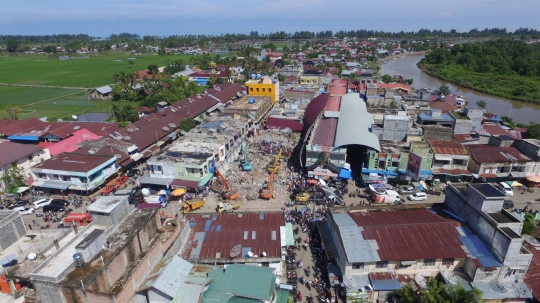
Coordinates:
[40,203]
[418,197]
[506,189]
[60,202]
[406,190]
[133,173]
[24,210]
[53,207]
[508,204]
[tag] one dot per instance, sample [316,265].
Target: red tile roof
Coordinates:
[411,235]
[451,172]
[69,144]
[334,103]
[462,138]
[337,90]
[496,154]
[445,107]
[313,110]
[325,133]
[339,82]
[223,232]
[447,147]
[11,152]
[281,123]
[74,162]
[496,130]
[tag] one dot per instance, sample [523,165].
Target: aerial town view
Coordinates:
[157,154]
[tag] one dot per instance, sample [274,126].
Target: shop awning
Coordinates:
[408,263]
[488,175]
[289,235]
[55,184]
[518,174]
[535,179]
[184,183]
[451,172]
[24,138]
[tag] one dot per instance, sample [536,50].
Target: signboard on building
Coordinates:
[413,166]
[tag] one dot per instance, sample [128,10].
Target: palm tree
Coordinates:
[115,112]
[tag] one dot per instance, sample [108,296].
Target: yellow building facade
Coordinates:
[263,87]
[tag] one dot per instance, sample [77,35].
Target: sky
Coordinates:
[100,18]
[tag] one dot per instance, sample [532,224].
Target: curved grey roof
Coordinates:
[354,123]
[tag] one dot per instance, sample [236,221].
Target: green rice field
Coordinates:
[76,77]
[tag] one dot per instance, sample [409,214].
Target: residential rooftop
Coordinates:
[74,162]
[398,235]
[188,151]
[447,147]
[212,237]
[496,154]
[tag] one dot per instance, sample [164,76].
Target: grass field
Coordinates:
[73,75]
[84,72]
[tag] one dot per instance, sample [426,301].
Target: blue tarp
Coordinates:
[479,250]
[345,174]
[385,285]
[24,138]
[379,171]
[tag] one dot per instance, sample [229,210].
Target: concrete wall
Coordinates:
[418,268]
[476,116]
[462,126]
[528,149]
[507,250]
[441,133]
[12,228]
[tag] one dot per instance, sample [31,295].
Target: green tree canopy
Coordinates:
[534,131]
[386,78]
[444,90]
[481,103]
[437,292]
[13,179]
[187,125]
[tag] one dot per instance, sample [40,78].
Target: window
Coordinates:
[42,176]
[269,90]
[459,162]
[429,262]
[264,90]
[358,265]
[251,88]
[382,264]
[448,261]
[257,89]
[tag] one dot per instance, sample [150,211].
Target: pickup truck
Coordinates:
[228,207]
[406,190]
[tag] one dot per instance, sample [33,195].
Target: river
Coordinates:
[519,111]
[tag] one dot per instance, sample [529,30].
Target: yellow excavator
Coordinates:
[268,190]
[301,197]
[228,194]
[275,164]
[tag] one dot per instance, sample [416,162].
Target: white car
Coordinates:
[418,196]
[24,210]
[42,202]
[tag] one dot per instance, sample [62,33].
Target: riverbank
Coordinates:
[494,85]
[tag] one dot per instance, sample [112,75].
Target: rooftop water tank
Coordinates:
[78,259]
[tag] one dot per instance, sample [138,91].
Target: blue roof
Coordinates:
[24,138]
[345,174]
[479,251]
[385,285]
[442,117]
[379,171]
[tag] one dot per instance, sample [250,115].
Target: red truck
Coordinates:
[81,219]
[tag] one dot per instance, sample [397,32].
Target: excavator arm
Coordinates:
[223,180]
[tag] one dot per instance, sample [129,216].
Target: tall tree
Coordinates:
[13,179]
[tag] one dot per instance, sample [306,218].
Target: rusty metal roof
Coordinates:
[447,147]
[213,236]
[325,132]
[411,234]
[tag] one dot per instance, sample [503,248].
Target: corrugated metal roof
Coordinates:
[354,124]
[189,293]
[333,104]
[207,239]
[325,132]
[447,147]
[409,235]
[238,280]
[496,154]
